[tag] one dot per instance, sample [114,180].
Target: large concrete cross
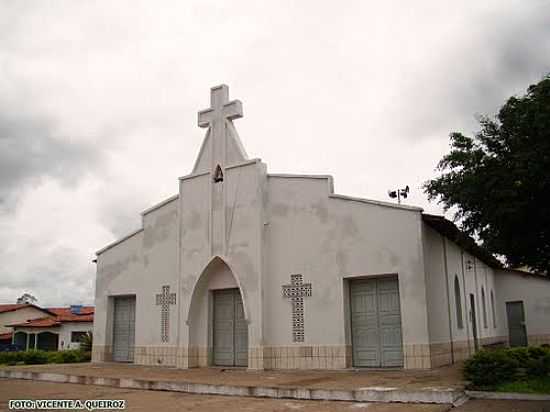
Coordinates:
[296,292]
[220,110]
[164,300]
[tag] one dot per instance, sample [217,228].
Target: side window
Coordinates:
[458,303]
[484,305]
[76,336]
[493,310]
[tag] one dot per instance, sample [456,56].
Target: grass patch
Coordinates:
[530,385]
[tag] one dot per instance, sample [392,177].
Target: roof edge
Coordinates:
[450,230]
[377,202]
[116,242]
[160,204]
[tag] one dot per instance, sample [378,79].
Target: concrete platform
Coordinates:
[439,386]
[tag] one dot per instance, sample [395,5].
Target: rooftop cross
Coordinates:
[221,145]
[220,109]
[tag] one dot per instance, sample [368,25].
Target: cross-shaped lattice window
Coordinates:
[164,300]
[296,292]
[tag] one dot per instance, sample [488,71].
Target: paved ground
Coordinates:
[138,400]
[447,377]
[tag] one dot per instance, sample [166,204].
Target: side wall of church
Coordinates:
[329,240]
[452,339]
[140,265]
[534,292]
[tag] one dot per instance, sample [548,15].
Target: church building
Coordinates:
[276,271]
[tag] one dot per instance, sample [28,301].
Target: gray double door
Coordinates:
[230,329]
[124,326]
[376,323]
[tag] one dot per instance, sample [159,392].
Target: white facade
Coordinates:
[514,286]
[233,225]
[63,331]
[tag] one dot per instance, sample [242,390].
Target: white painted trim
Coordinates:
[294,176]
[160,204]
[245,163]
[193,175]
[376,202]
[344,197]
[116,242]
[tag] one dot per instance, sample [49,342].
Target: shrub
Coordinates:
[33,357]
[489,368]
[521,355]
[70,356]
[539,367]
[54,357]
[11,358]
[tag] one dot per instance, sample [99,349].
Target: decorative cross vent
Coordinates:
[296,292]
[164,300]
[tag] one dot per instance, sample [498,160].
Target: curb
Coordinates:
[368,394]
[508,396]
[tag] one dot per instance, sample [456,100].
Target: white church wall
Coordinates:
[437,299]
[329,238]
[140,265]
[119,269]
[535,294]
[160,268]
[473,276]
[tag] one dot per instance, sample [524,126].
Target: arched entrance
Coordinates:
[218,327]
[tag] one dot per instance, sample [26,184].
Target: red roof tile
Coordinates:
[6,336]
[10,307]
[61,315]
[38,323]
[65,315]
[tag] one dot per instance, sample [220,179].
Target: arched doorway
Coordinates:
[217,318]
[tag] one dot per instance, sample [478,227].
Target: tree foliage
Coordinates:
[498,181]
[26,298]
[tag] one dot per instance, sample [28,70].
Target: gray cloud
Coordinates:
[29,152]
[498,57]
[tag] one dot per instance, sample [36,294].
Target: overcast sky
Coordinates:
[99,101]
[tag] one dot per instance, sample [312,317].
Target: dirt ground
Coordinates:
[138,400]
[445,377]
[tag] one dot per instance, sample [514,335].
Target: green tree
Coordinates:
[498,181]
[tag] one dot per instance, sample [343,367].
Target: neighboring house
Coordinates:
[58,331]
[247,268]
[17,312]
